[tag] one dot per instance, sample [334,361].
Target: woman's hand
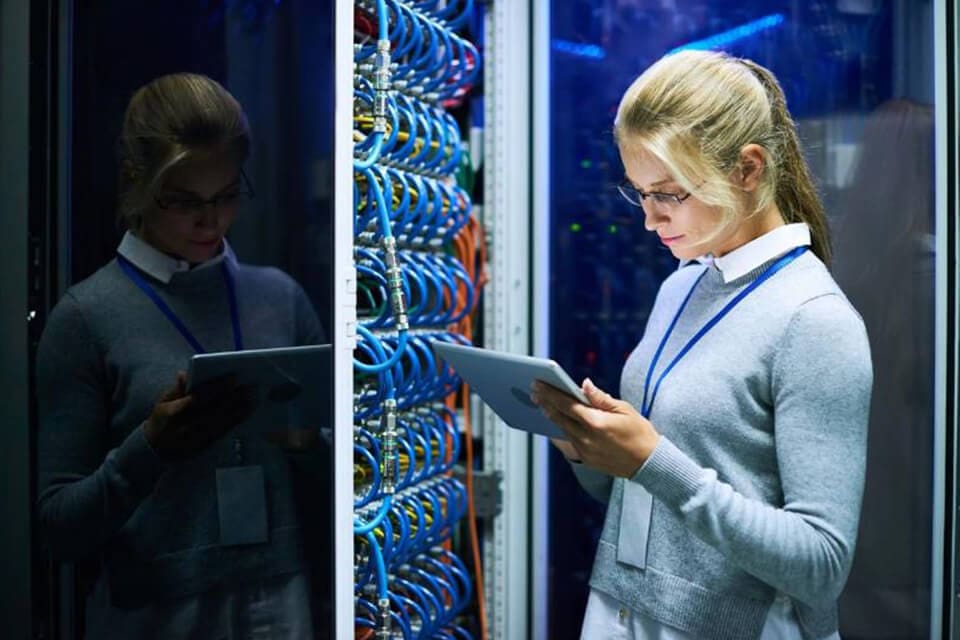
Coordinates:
[567,449]
[610,435]
[182,425]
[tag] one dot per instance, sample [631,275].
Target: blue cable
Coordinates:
[373,156]
[462,574]
[458,21]
[427,621]
[382,18]
[394,114]
[456,146]
[427,461]
[385,365]
[409,603]
[371,609]
[433,587]
[437,155]
[421,537]
[369,437]
[428,57]
[361,528]
[476,63]
[401,39]
[436,605]
[375,485]
[463,633]
[402,210]
[378,561]
[444,64]
[398,543]
[402,621]
[447,580]
[401,154]
[440,436]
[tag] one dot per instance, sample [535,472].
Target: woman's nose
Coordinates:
[653,218]
[209,216]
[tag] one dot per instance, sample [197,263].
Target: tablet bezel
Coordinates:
[498,376]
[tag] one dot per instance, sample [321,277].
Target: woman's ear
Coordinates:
[753,159]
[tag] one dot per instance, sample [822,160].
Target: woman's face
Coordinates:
[687,227]
[195,207]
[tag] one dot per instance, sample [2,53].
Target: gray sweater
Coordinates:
[106,355]
[758,476]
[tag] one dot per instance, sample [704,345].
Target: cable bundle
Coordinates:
[419,276]
[434,63]
[432,284]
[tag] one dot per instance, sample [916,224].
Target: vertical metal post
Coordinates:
[15,507]
[344,319]
[507,303]
[943,592]
[540,314]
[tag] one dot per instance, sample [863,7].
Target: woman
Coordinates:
[195,533]
[733,466]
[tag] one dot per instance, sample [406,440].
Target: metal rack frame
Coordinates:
[506,312]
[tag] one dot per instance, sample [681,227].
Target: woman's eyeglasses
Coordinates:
[640,198]
[190,204]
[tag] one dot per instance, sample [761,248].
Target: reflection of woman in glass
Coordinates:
[886,266]
[733,467]
[195,533]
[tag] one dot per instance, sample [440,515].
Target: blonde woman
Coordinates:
[733,465]
[194,532]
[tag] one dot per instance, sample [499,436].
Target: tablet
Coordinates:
[503,381]
[293,384]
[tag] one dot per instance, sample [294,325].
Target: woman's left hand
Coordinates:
[610,435]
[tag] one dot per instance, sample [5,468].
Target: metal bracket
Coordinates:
[487,491]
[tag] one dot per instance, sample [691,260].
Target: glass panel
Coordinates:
[858,76]
[232,530]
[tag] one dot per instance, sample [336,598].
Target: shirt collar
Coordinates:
[762,250]
[159,265]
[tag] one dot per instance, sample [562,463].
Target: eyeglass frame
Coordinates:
[246,190]
[627,189]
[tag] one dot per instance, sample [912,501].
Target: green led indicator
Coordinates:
[575,227]
[586,164]
[613,228]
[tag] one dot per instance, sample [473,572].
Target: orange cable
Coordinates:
[467,243]
[472,517]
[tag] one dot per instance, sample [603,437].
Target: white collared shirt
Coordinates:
[159,265]
[762,250]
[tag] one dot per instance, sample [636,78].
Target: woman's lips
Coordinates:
[668,240]
[206,243]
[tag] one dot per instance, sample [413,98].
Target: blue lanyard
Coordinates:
[138,280]
[646,408]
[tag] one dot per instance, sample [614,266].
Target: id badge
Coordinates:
[242,505]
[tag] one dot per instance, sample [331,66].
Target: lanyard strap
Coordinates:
[646,408]
[142,284]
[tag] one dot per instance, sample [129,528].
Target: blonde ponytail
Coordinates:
[796,195]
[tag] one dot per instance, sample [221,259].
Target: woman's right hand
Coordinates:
[182,425]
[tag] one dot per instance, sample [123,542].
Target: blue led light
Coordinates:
[593,51]
[730,36]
